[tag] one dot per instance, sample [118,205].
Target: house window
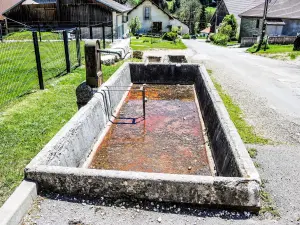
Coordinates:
[257,23]
[147,13]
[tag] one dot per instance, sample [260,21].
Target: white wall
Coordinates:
[157,15]
[185,28]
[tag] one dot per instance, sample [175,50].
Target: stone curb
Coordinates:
[18,204]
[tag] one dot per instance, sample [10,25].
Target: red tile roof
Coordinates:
[206,30]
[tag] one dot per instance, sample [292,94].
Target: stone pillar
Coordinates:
[94,76]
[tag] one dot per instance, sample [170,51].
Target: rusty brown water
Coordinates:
[169,140]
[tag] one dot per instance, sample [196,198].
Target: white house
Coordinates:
[152,16]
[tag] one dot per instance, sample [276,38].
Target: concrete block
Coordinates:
[18,204]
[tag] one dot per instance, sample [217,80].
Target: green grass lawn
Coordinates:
[277,49]
[144,43]
[28,123]
[27,35]
[18,73]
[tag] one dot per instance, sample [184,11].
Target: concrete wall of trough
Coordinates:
[54,168]
[73,143]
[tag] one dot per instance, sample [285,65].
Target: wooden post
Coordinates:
[67,52]
[38,59]
[94,77]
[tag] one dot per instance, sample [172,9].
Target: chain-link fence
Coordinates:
[28,59]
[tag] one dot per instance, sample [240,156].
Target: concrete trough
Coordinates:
[61,166]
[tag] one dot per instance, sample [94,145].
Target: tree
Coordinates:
[203,22]
[177,4]
[188,12]
[135,25]
[231,21]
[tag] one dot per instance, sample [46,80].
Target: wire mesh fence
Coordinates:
[26,62]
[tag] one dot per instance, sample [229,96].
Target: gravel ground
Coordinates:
[281,181]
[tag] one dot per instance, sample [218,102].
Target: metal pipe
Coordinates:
[144,101]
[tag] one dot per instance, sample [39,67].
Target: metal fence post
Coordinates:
[79,26]
[103,34]
[91,32]
[77,34]
[38,59]
[112,33]
[39,29]
[67,52]
[1,34]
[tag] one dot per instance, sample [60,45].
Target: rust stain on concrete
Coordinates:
[169,140]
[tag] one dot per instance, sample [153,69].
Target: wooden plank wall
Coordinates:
[71,12]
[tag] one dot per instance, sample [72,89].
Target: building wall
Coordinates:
[248,27]
[69,13]
[291,28]
[185,28]
[222,12]
[156,15]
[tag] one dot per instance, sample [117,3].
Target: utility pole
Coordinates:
[264,25]
[216,22]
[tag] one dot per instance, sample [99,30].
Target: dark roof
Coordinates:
[115,5]
[171,17]
[236,7]
[283,9]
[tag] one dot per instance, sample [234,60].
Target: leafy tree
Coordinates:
[203,22]
[135,25]
[177,4]
[226,30]
[188,12]
[231,21]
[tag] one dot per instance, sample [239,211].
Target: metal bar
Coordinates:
[91,32]
[1,34]
[103,35]
[38,60]
[79,26]
[144,101]
[39,29]
[112,33]
[78,46]
[67,52]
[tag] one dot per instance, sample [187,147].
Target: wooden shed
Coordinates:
[65,13]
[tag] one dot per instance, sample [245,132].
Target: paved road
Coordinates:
[267,90]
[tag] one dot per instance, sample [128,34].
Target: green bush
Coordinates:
[211,36]
[170,36]
[186,36]
[220,39]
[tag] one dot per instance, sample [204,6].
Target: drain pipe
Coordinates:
[110,52]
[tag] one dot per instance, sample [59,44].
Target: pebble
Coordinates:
[159,219]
